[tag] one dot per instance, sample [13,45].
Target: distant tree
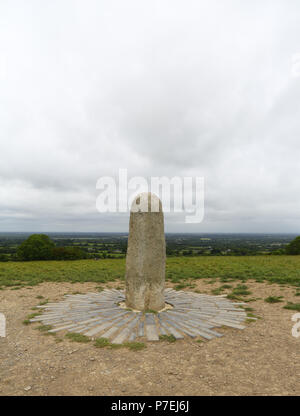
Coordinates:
[3,257]
[169,251]
[278,252]
[68,253]
[36,247]
[294,247]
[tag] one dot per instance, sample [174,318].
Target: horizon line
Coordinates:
[126,232]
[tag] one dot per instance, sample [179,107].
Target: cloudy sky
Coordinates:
[161,88]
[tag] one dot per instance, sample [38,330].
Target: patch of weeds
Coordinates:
[292,306]
[241,290]
[226,286]
[226,279]
[73,336]
[249,300]
[180,286]
[44,302]
[119,288]
[199,341]
[135,346]
[40,297]
[274,299]
[101,343]
[249,321]
[31,316]
[76,293]
[58,339]
[233,297]
[248,309]
[149,311]
[44,329]
[169,338]
[251,315]
[115,346]
[217,291]
[220,289]
[297,294]
[15,288]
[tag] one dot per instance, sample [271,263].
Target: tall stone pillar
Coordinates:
[146,254]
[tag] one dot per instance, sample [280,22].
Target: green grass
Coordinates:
[45,329]
[274,299]
[44,302]
[74,337]
[241,290]
[134,346]
[217,291]
[181,286]
[31,316]
[102,343]
[32,273]
[251,315]
[292,306]
[179,270]
[169,338]
[149,311]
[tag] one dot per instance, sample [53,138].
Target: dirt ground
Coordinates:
[263,359]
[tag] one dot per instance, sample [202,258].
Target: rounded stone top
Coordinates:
[146,202]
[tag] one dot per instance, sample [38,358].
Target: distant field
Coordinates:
[181,270]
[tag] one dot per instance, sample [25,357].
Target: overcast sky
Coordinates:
[166,87]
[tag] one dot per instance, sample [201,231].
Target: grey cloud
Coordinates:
[162,88]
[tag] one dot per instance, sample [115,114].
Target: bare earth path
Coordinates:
[263,359]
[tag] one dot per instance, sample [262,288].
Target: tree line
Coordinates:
[41,247]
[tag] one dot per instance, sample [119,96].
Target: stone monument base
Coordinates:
[101,315]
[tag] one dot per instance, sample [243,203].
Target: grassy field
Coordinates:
[180,270]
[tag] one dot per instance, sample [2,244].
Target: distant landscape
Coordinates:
[114,245]
[226,257]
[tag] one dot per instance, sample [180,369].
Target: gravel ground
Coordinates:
[263,359]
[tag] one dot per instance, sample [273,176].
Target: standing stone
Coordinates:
[146,254]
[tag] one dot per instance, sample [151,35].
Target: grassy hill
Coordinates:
[180,270]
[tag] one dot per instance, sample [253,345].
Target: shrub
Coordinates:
[294,247]
[36,247]
[4,257]
[40,247]
[68,253]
